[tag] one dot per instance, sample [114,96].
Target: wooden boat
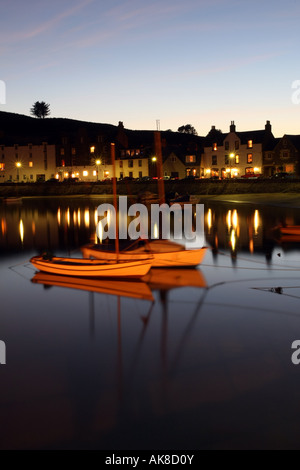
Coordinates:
[92,268]
[182,200]
[290,230]
[166,279]
[13,200]
[161,253]
[121,288]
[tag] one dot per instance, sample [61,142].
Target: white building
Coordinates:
[27,163]
[235,154]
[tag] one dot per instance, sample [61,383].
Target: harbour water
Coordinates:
[187,362]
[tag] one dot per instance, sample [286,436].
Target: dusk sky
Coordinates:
[203,62]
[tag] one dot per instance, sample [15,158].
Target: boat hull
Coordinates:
[292,230]
[91,268]
[168,259]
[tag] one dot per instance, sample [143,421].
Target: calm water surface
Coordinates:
[205,366]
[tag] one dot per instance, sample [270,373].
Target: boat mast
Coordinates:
[113,160]
[158,151]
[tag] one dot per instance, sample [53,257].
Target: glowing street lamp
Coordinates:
[18,165]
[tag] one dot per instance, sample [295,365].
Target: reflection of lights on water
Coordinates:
[209,219]
[79,217]
[96,217]
[3,226]
[68,216]
[87,218]
[100,232]
[235,219]
[228,220]
[21,230]
[75,218]
[256,222]
[251,246]
[155,232]
[233,240]
[96,239]
[59,216]
[33,227]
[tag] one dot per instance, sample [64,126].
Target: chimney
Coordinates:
[232,127]
[213,128]
[268,127]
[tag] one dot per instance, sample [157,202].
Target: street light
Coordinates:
[232,156]
[18,165]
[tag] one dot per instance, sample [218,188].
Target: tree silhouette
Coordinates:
[40,109]
[187,129]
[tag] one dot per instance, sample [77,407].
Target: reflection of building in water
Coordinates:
[42,228]
[234,231]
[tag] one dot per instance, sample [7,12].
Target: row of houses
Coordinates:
[82,152]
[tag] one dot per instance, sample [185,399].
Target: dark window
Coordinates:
[226,159]
[226,145]
[214,160]
[237,145]
[130,163]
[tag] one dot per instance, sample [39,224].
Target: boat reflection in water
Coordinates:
[158,279]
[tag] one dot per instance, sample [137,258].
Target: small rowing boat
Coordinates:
[161,254]
[91,268]
[290,230]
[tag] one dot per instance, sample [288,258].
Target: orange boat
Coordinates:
[91,268]
[161,254]
[132,289]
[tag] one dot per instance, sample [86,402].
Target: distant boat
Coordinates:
[121,288]
[91,268]
[290,230]
[161,253]
[13,200]
[186,199]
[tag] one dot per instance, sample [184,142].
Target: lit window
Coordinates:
[190,159]
[250,158]
[250,144]
[92,149]
[30,164]
[85,173]
[2,166]
[215,147]
[94,173]
[62,151]
[237,159]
